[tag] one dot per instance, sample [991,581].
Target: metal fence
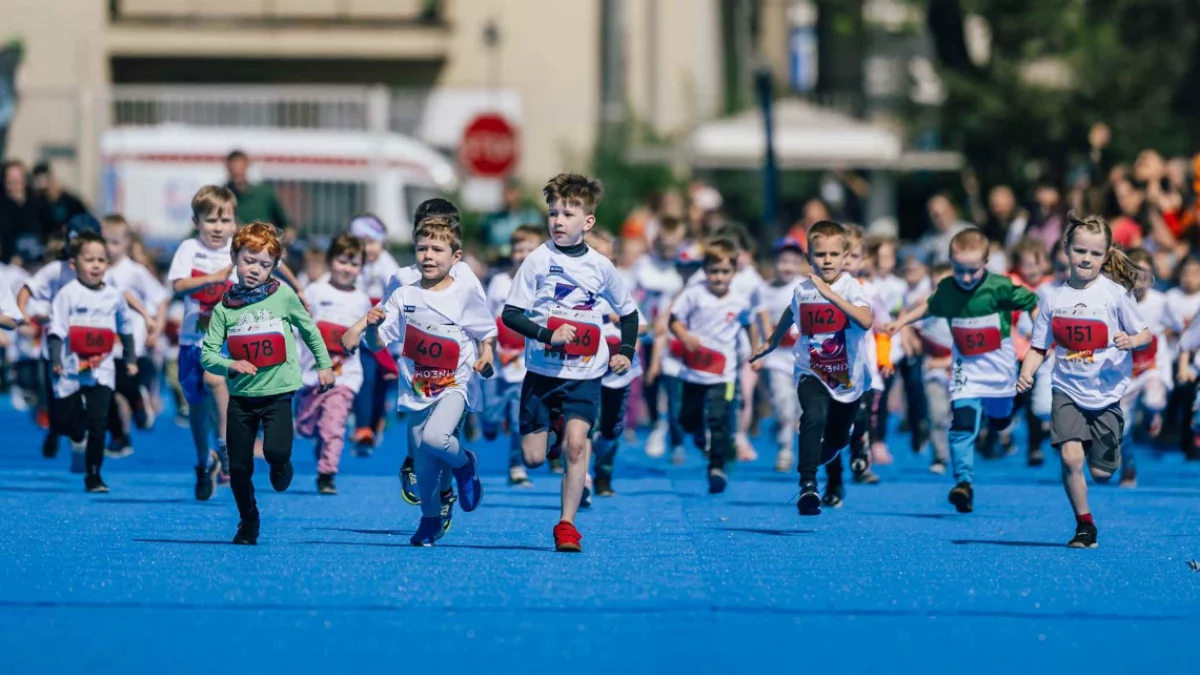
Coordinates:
[320,209]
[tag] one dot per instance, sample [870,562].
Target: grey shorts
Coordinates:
[1100,431]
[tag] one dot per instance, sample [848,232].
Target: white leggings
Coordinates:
[786,404]
[433,438]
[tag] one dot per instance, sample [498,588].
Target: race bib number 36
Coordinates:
[976,336]
[426,350]
[822,317]
[1078,332]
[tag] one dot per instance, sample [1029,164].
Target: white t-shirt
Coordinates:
[45,285]
[89,322]
[333,311]
[1181,310]
[129,276]
[892,290]
[376,276]
[1155,359]
[1081,323]
[716,321]
[510,345]
[611,332]
[776,299]
[438,330]
[555,289]
[668,363]
[460,271]
[831,346]
[880,316]
[937,342]
[653,279]
[194,259]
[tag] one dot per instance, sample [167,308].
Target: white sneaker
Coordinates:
[678,455]
[78,457]
[745,451]
[656,442]
[784,460]
[147,413]
[18,400]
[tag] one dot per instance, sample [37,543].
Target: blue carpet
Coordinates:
[142,580]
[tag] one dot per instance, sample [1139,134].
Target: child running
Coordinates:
[337,304]
[559,285]
[1152,381]
[776,295]
[979,306]
[706,320]
[438,321]
[1092,324]
[86,318]
[831,372]
[255,322]
[200,272]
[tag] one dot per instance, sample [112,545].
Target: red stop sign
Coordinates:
[489,147]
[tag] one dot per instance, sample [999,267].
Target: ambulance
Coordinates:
[321,177]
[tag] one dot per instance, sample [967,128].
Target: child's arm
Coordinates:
[210,349]
[1183,368]
[298,316]
[7,322]
[1039,341]
[357,333]
[189,285]
[284,272]
[655,367]
[23,297]
[859,314]
[781,328]
[908,315]
[1129,320]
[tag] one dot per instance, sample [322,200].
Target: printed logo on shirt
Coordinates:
[555,269]
[1081,331]
[564,291]
[410,308]
[828,358]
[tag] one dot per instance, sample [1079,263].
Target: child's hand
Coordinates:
[326,378]
[1185,374]
[376,316]
[303,300]
[756,366]
[823,288]
[243,367]
[893,328]
[619,364]
[886,371]
[58,370]
[1024,382]
[131,368]
[690,342]
[763,350]
[614,319]
[221,275]
[651,374]
[481,365]
[1122,340]
[563,334]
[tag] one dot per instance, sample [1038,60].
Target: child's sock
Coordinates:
[1085,519]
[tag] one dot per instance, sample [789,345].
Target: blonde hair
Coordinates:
[828,228]
[574,189]
[440,228]
[211,198]
[971,239]
[1117,265]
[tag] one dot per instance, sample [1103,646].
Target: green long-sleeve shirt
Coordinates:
[262,333]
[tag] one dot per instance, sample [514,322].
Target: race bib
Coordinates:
[88,337]
[614,344]
[261,343]
[331,334]
[208,296]
[587,332]
[977,335]
[1082,329]
[508,338]
[428,350]
[704,359]
[817,318]
[1145,359]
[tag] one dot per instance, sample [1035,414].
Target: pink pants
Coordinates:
[323,417]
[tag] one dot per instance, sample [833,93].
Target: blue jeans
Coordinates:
[965,418]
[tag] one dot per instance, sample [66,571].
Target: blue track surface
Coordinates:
[142,580]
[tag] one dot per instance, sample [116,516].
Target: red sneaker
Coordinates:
[567,538]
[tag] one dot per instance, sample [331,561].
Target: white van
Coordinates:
[321,178]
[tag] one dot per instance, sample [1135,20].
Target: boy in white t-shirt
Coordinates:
[202,271]
[370,403]
[656,281]
[87,318]
[502,395]
[438,321]
[791,266]
[1092,324]
[831,372]
[337,304]
[1152,382]
[706,320]
[553,303]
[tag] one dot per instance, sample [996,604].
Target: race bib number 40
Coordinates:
[817,318]
[429,351]
[1082,329]
[262,344]
[976,336]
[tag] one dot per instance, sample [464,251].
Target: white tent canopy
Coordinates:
[807,136]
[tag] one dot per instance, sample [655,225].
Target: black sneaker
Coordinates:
[835,493]
[408,483]
[50,446]
[325,484]
[281,477]
[585,499]
[809,503]
[860,462]
[94,483]
[206,482]
[603,485]
[447,513]
[1085,537]
[1036,457]
[716,481]
[963,497]
[247,532]
[867,477]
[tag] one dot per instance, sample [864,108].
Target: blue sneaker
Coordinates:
[429,531]
[470,490]
[448,500]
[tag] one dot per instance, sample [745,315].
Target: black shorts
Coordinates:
[1100,431]
[543,396]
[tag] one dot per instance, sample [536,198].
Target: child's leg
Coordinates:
[1072,476]
[746,383]
[838,422]
[717,400]
[674,389]
[309,407]
[692,401]
[331,427]
[965,417]
[650,389]
[912,371]
[577,451]
[512,413]
[278,430]
[534,426]
[879,411]
[787,408]
[937,397]
[364,400]
[609,428]
[439,437]
[243,422]
[67,417]
[97,401]
[814,411]
[427,467]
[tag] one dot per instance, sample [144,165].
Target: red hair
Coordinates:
[259,236]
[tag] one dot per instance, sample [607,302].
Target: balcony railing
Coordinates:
[278,12]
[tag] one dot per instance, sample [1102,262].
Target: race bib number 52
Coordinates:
[976,336]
